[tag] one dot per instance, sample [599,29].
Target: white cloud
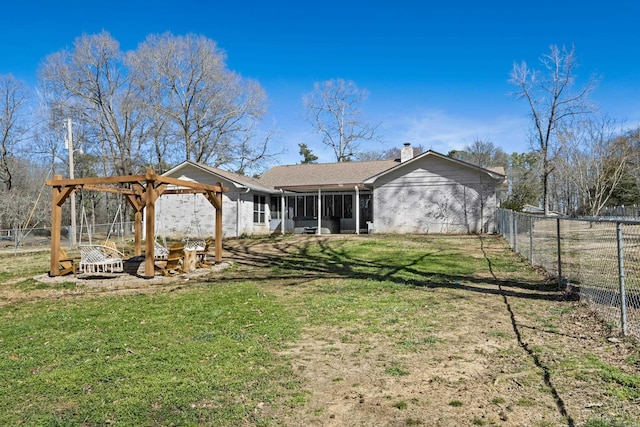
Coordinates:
[442,132]
[433,129]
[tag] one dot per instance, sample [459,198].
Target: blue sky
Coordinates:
[437,72]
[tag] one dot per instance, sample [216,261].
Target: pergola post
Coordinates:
[150,196]
[218,254]
[137,203]
[215,198]
[60,193]
[149,213]
[137,233]
[56,220]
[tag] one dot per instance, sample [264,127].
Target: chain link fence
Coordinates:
[21,240]
[600,258]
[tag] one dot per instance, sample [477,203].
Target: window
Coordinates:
[348,206]
[275,207]
[300,204]
[259,209]
[310,206]
[291,207]
[327,205]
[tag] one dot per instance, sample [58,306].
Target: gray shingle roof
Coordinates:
[240,179]
[323,175]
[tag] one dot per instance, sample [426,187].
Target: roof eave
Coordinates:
[236,184]
[494,175]
[327,187]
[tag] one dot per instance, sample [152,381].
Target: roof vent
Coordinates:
[406,153]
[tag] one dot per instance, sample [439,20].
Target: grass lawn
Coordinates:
[307,330]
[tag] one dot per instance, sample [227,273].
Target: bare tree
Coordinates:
[388,154]
[333,109]
[482,153]
[595,156]
[206,110]
[628,193]
[13,129]
[26,204]
[523,173]
[552,102]
[90,84]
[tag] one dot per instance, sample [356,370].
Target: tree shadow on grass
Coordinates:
[562,409]
[296,261]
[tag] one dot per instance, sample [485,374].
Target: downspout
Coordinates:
[357,210]
[319,229]
[238,215]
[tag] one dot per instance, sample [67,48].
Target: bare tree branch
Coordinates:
[333,109]
[204,110]
[13,129]
[549,95]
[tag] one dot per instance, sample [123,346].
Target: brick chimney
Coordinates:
[406,153]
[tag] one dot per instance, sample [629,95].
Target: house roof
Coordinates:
[310,177]
[496,173]
[326,176]
[240,181]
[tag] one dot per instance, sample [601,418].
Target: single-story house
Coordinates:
[428,193]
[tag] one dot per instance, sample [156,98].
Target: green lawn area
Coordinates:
[229,348]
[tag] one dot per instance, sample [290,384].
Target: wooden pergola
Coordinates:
[141,191]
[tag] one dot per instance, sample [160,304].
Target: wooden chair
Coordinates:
[202,254]
[173,263]
[67,264]
[202,250]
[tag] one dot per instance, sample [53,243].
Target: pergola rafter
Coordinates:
[141,193]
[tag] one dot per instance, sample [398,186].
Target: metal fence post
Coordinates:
[515,233]
[559,253]
[623,297]
[510,224]
[530,240]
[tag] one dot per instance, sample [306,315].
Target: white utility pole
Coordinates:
[71,176]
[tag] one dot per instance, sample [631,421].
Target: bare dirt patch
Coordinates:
[505,357]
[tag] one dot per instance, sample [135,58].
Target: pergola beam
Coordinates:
[142,195]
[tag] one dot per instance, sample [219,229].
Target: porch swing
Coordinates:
[199,245]
[109,242]
[160,250]
[174,259]
[101,258]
